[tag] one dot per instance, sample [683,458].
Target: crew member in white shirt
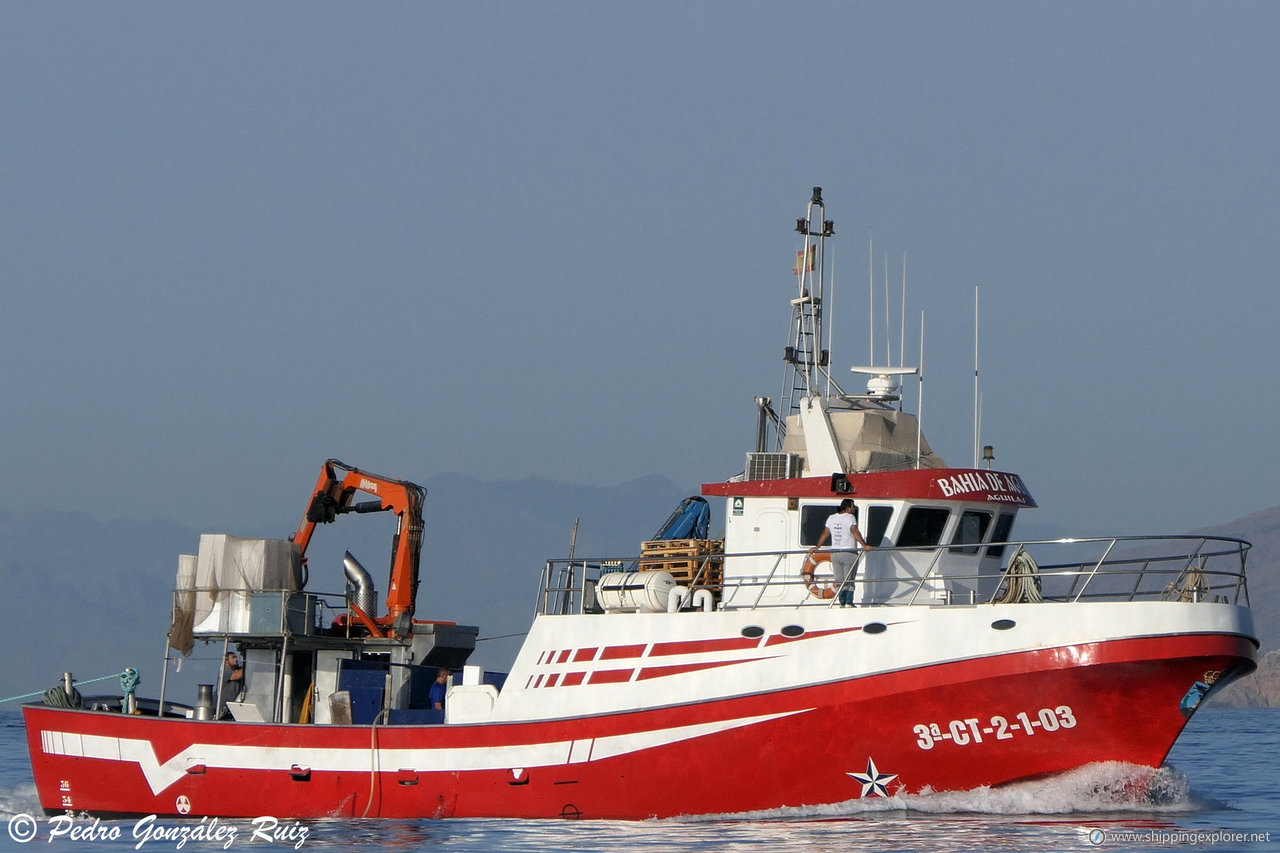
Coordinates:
[846,540]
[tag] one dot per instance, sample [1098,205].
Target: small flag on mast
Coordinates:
[806,264]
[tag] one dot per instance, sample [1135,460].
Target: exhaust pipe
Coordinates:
[360,589]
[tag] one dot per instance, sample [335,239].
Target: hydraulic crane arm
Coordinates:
[335,489]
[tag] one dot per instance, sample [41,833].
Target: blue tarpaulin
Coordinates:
[690,521]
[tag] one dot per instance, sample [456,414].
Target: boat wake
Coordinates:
[19,799]
[1105,787]
[1102,788]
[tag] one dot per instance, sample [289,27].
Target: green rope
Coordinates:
[129,680]
[120,675]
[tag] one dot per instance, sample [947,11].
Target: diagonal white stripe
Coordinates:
[161,776]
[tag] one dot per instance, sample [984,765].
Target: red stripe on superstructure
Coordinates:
[777,639]
[572,679]
[610,676]
[691,647]
[584,655]
[676,669]
[935,484]
[619,652]
[564,656]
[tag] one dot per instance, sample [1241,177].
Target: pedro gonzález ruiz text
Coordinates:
[208,831]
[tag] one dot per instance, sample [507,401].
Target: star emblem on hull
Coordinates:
[873,782]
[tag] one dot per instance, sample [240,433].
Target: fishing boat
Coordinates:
[701,675]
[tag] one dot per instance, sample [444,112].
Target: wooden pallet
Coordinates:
[682,547]
[683,559]
[685,570]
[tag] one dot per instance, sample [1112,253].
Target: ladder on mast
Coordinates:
[805,358]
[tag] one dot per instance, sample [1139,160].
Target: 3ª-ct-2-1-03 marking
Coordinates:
[972,730]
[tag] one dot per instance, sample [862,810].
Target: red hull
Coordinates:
[952,726]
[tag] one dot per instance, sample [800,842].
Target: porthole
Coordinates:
[753,632]
[875,627]
[792,631]
[1003,624]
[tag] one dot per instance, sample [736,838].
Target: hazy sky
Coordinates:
[554,239]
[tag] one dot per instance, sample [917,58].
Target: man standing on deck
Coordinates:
[436,695]
[231,676]
[846,539]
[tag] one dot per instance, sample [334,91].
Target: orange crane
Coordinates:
[336,487]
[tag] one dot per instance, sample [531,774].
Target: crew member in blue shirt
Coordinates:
[436,696]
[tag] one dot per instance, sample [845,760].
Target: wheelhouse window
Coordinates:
[970,532]
[923,526]
[813,519]
[878,518]
[1004,529]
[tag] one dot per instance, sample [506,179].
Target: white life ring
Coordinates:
[811,562]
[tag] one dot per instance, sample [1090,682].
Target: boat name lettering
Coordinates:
[970,730]
[982,481]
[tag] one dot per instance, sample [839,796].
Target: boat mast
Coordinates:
[977,396]
[806,359]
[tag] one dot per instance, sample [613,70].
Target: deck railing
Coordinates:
[1137,568]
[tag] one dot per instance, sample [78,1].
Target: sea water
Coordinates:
[1219,790]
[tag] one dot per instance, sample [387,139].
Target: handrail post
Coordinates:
[1137,579]
[566,593]
[164,675]
[769,579]
[1095,568]
[1242,582]
[544,600]
[937,553]
[280,716]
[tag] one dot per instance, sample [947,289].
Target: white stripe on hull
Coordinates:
[428,760]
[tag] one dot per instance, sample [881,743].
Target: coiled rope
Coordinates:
[1022,580]
[58,697]
[129,681]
